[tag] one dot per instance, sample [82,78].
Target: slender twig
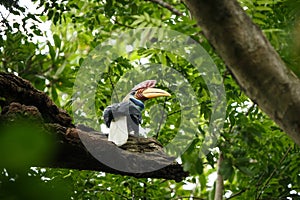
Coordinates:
[28,65]
[237,194]
[120,24]
[110,191]
[161,120]
[145,190]
[226,73]
[188,197]
[5,21]
[274,171]
[132,192]
[177,111]
[167,6]
[111,83]
[259,182]
[6,18]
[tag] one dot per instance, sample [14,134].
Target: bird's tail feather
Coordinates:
[118,133]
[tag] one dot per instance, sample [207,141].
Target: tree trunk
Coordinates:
[252,60]
[219,182]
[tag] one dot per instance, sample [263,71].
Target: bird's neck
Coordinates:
[138,103]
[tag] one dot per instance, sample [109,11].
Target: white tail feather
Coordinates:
[118,133]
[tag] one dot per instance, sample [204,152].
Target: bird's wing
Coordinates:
[118,133]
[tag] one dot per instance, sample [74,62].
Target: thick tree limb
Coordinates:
[22,100]
[16,89]
[253,61]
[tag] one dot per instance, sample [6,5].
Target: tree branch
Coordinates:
[20,99]
[274,171]
[220,181]
[167,6]
[237,194]
[16,89]
[255,64]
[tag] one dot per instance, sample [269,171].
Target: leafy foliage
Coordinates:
[259,160]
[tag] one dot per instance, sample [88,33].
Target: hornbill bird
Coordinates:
[124,118]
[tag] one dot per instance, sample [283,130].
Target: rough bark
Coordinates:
[19,99]
[252,60]
[15,89]
[220,181]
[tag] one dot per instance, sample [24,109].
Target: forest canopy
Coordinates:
[249,155]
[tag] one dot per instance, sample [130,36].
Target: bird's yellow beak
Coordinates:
[155,92]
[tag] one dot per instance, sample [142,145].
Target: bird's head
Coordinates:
[143,91]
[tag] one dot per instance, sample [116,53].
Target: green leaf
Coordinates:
[51,51]
[16,25]
[37,32]
[57,41]
[227,169]
[56,18]
[263,8]
[54,95]
[50,14]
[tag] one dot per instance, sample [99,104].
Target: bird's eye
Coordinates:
[133,93]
